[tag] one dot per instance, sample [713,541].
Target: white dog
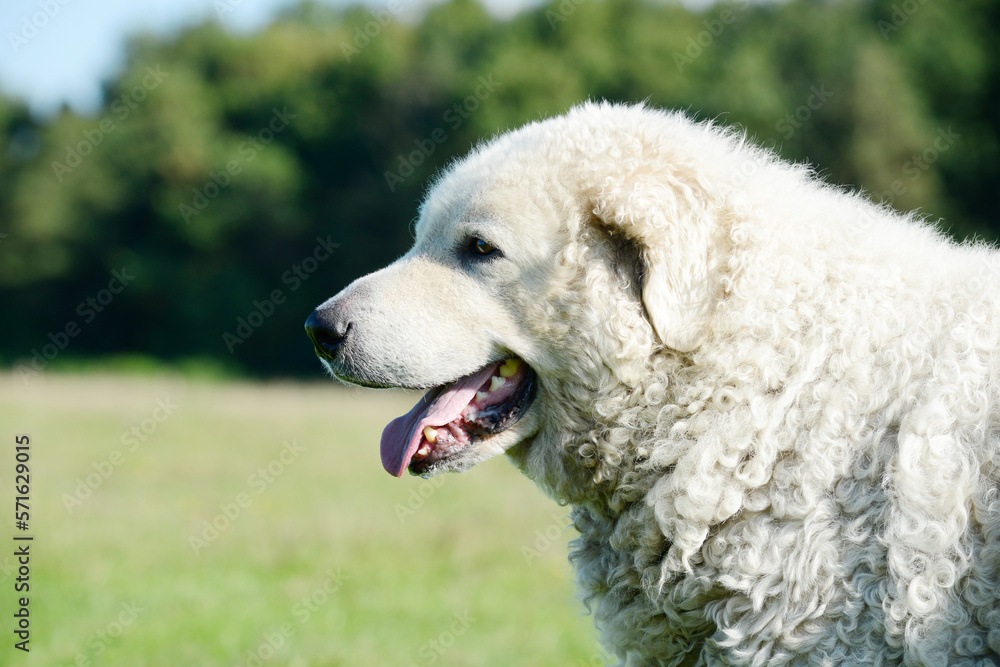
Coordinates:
[773,405]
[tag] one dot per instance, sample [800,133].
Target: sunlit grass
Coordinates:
[322,566]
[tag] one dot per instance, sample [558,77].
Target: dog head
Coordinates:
[550,262]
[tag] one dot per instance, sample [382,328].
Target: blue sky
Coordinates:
[56,51]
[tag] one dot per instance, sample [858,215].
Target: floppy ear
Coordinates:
[673,229]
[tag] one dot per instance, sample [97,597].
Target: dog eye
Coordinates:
[481,248]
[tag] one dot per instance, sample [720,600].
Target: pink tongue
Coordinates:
[402,436]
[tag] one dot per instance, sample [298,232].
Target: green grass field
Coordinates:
[323,559]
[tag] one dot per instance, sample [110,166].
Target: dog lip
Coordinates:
[344,377]
[401,437]
[340,376]
[488,422]
[357,382]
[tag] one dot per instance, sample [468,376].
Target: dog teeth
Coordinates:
[481,395]
[496,382]
[509,367]
[424,450]
[431,435]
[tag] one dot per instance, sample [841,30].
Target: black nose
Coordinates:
[327,332]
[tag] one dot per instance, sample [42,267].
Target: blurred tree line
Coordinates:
[232,182]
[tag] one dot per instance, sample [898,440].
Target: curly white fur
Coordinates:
[773,405]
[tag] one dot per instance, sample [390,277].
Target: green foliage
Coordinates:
[218,160]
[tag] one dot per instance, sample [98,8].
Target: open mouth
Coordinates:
[450,418]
